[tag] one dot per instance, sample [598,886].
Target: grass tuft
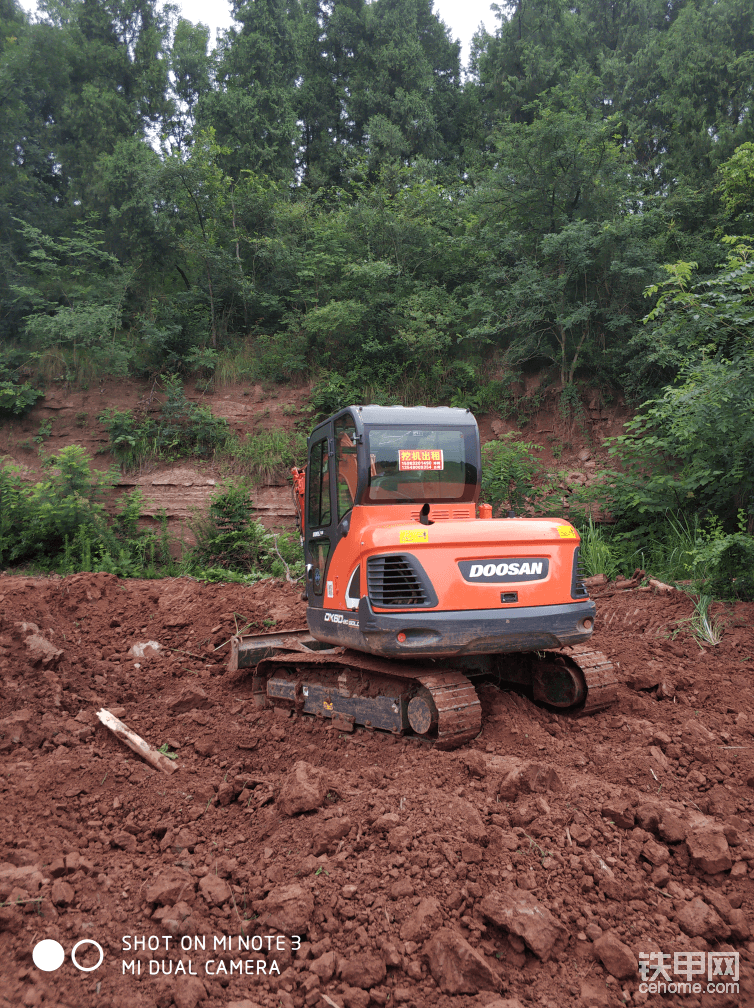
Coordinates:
[704,628]
[262,457]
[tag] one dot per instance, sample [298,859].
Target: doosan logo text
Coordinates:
[501,569]
[487,570]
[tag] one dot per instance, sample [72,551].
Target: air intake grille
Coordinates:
[397,581]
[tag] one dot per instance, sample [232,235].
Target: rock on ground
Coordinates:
[456,967]
[303,789]
[425,919]
[188,992]
[363,971]
[709,850]
[288,909]
[698,919]
[617,958]
[522,914]
[215,890]
[170,887]
[530,778]
[190,698]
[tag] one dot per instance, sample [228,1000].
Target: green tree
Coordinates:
[252,107]
[192,76]
[736,183]
[540,45]
[690,450]
[696,318]
[551,215]
[83,80]
[116,62]
[404,95]
[76,292]
[376,280]
[328,37]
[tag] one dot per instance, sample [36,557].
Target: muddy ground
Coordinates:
[538,865]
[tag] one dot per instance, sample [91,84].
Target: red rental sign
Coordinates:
[420,458]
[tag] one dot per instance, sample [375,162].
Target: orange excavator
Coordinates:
[415,592]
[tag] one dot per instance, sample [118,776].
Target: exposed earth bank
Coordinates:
[537,865]
[178,487]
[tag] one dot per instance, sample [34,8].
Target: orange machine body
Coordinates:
[439,547]
[402,578]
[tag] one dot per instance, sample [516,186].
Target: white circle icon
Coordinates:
[87,941]
[48,955]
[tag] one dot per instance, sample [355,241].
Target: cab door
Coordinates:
[319,526]
[331,476]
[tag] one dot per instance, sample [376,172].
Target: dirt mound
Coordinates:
[539,865]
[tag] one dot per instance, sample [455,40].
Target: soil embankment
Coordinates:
[180,487]
[537,865]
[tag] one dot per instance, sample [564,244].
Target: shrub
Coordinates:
[690,450]
[229,538]
[484,398]
[508,473]
[181,428]
[724,563]
[61,523]
[132,439]
[595,552]
[16,398]
[260,457]
[333,392]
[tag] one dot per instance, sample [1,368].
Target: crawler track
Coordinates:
[599,675]
[353,688]
[435,703]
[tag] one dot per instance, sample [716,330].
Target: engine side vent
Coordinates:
[398,581]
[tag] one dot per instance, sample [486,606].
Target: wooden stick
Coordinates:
[156,759]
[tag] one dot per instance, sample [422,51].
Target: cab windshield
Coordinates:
[408,465]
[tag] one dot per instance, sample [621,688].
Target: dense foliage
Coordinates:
[181,428]
[61,524]
[230,539]
[325,194]
[324,189]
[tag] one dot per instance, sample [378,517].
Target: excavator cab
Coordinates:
[380,457]
[397,561]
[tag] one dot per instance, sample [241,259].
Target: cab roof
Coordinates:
[447,416]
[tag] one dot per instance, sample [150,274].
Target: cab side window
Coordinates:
[319,486]
[345,464]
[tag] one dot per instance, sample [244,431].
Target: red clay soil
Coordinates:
[536,865]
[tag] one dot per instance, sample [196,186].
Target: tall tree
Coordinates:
[192,77]
[253,106]
[117,59]
[404,98]
[330,35]
[539,45]
[551,211]
[84,77]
